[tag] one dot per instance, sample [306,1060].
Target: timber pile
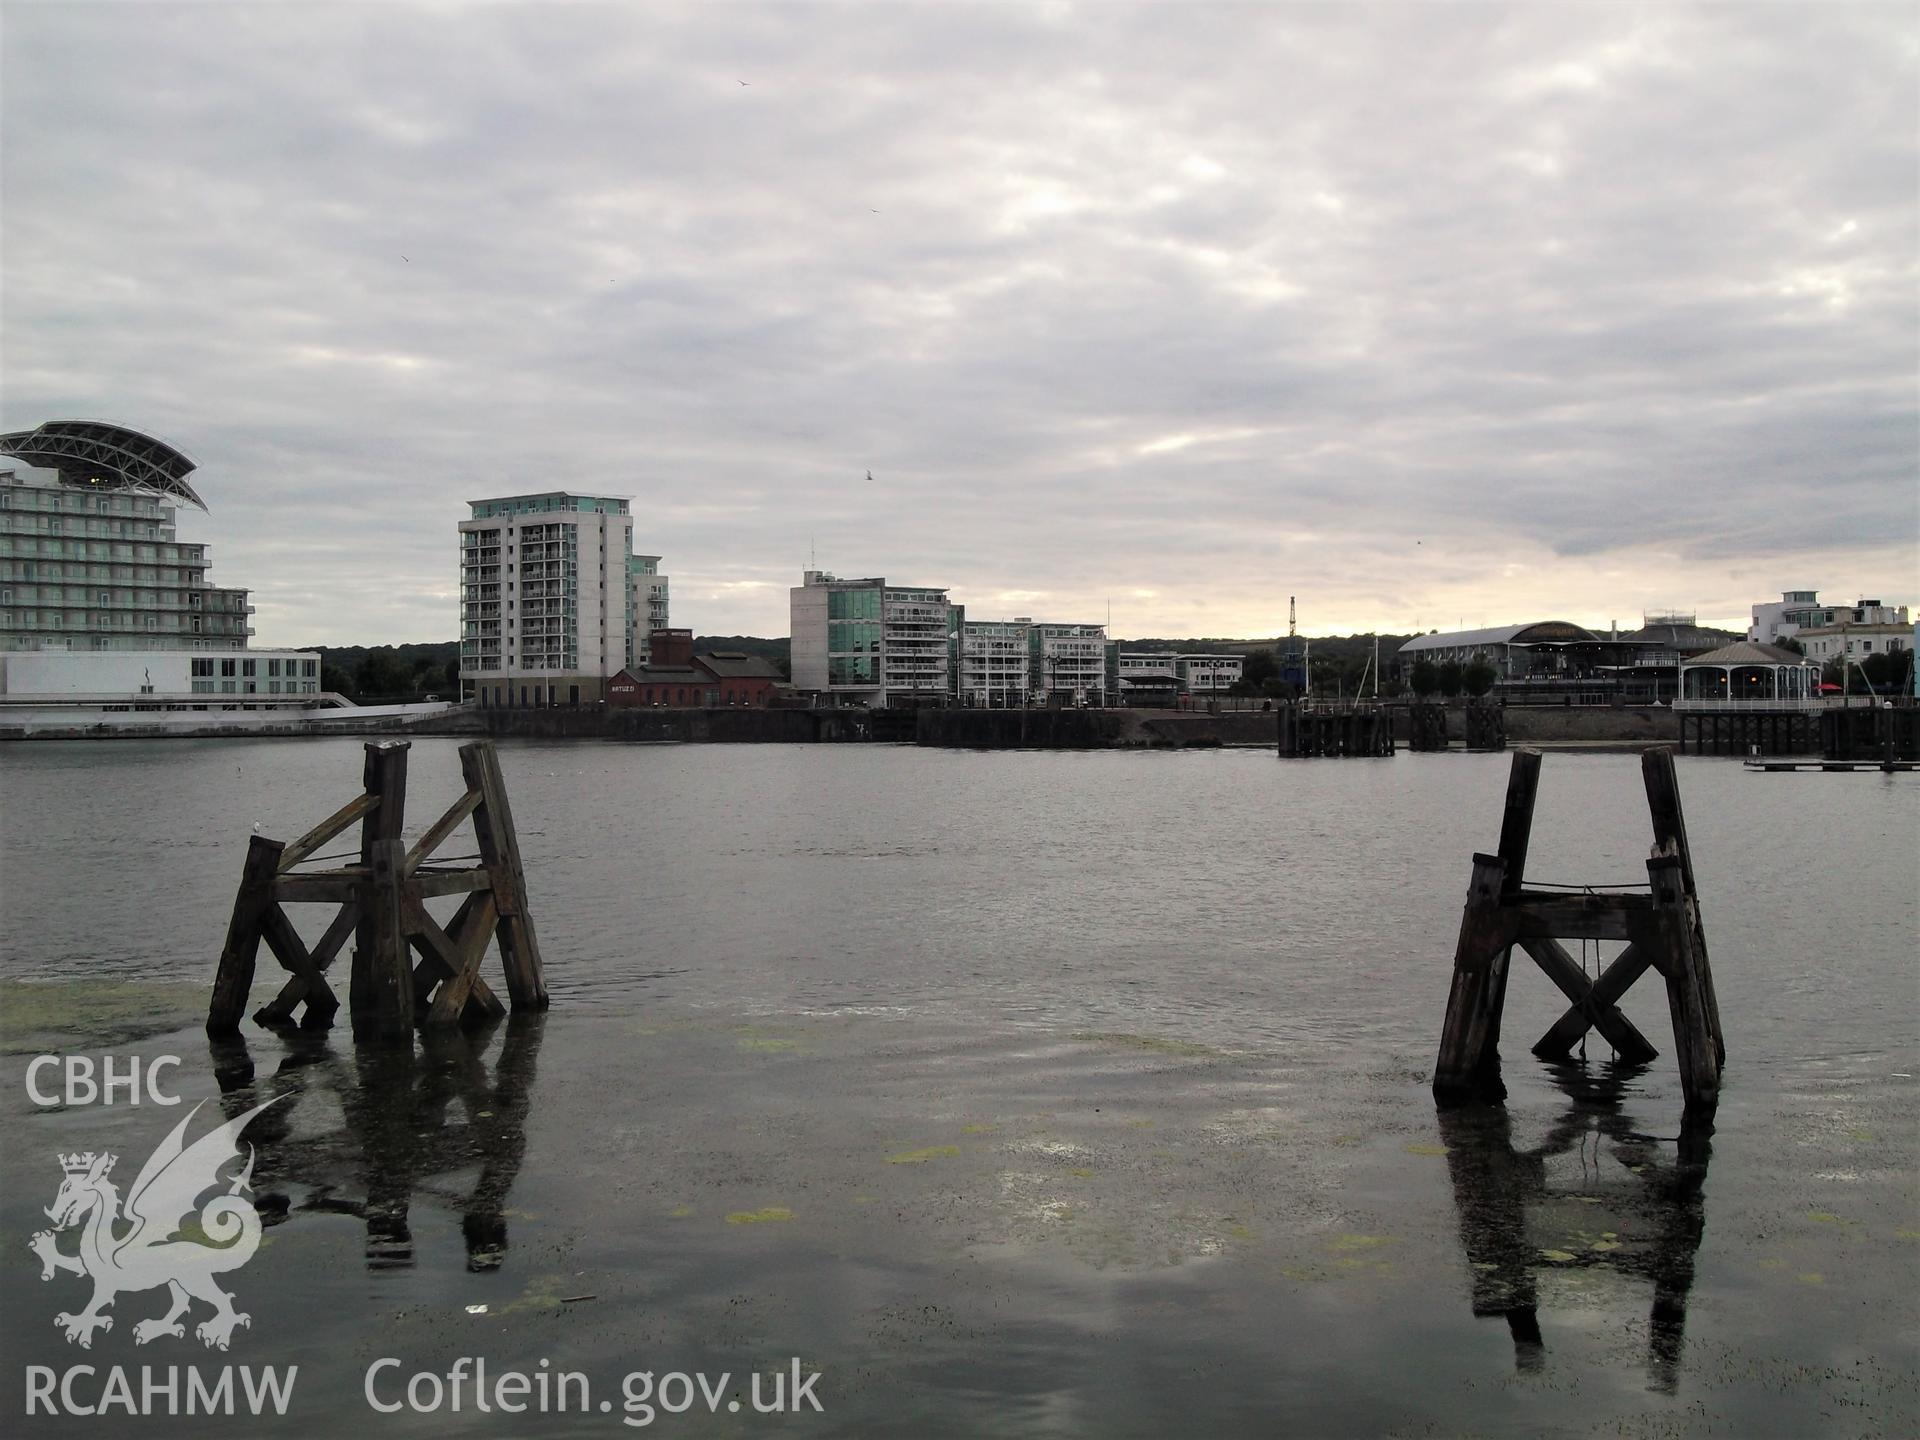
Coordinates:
[1306,732]
[1426,726]
[1661,927]
[1486,726]
[382,905]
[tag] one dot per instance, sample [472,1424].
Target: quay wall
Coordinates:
[958,728]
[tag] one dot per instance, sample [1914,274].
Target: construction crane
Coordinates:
[1293,666]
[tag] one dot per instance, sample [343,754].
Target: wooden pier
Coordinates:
[1486,726]
[1426,726]
[1880,733]
[1315,733]
[1661,926]
[1748,732]
[382,905]
[1846,766]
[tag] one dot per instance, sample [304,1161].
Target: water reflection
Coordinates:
[373,1129]
[1640,1210]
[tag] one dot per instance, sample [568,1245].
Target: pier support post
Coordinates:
[1670,834]
[233,980]
[1688,987]
[384,1005]
[384,779]
[1469,1063]
[500,854]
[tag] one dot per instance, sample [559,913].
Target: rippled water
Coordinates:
[1020,1093]
[1225,895]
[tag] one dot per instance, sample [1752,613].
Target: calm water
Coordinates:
[1223,895]
[1086,1092]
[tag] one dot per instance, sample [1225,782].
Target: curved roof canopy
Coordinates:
[1747,652]
[1540,632]
[96,455]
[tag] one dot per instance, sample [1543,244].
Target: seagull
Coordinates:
[869,475]
[743,82]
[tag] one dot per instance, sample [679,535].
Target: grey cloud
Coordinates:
[1203,301]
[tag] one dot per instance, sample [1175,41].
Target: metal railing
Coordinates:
[1742,705]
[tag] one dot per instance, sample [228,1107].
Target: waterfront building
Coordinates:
[1154,674]
[871,641]
[994,666]
[1068,663]
[90,558]
[1749,674]
[152,680]
[1798,610]
[551,600]
[103,608]
[1540,649]
[1853,641]
[646,606]
[673,675]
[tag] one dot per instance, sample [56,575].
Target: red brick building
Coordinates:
[675,676]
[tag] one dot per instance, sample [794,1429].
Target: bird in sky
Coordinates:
[743,82]
[405,258]
[869,474]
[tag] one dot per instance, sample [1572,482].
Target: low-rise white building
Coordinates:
[1853,642]
[1204,675]
[162,679]
[1798,610]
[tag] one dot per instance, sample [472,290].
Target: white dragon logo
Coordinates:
[158,1240]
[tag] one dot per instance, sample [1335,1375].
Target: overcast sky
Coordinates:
[1424,315]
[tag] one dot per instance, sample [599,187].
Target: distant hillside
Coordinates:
[388,671]
[1323,645]
[778,650]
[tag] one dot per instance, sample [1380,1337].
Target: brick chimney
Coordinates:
[671,647]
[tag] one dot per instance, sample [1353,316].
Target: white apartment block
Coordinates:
[647,609]
[1069,663]
[546,598]
[1205,675]
[995,670]
[1798,610]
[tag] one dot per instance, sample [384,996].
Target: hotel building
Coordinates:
[89,555]
[102,606]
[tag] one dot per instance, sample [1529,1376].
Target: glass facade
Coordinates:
[556,500]
[853,604]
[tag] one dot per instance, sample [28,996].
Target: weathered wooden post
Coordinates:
[1469,1064]
[384,780]
[500,854]
[1688,987]
[382,977]
[1670,836]
[234,978]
